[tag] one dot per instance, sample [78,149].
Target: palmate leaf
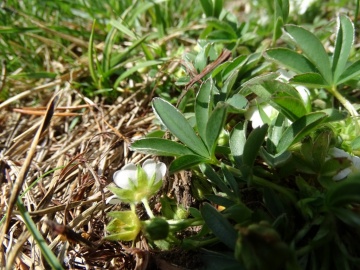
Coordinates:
[312,49]
[179,126]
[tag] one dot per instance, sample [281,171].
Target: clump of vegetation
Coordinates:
[245,123]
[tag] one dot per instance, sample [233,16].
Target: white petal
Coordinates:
[342,174]
[152,167]
[339,153]
[126,174]
[113,200]
[355,164]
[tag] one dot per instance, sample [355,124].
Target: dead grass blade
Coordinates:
[23,172]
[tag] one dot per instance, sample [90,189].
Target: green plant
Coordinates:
[285,165]
[315,68]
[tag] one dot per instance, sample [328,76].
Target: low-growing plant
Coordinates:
[279,202]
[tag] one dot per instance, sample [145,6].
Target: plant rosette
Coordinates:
[134,184]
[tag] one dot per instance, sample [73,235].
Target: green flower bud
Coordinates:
[157,229]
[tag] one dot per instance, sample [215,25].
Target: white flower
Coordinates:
[355,161]
[135,183]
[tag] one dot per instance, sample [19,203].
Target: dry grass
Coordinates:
[73,162]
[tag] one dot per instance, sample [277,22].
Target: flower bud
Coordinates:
[157,229]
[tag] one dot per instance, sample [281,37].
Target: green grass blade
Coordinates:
[45,250]
[134,69]
[122,28]
[91,56]
[207,6]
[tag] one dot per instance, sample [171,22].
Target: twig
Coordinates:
[225,55]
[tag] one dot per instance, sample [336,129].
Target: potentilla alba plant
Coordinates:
[133,184]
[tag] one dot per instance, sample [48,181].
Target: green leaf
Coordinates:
[351,72]
[344,192]
[207,7]
[215,125]
[293,108]
[112,60]
[219,200]
[218,6]
[314,80]
[160,147]
[347,216]
[312,48]
[299,129]
[237,142]
[230,66]
[237,103]
[215,179]
[201,58]
[92,57]
[231,181]
[320,148]
[203,105]
[220,226]
[186,162]
[281,12]
[291,60]
[49,256]
[253,144]
[343,44]
[239,213]
[355,144]
[135,68]
[279,23]
[334,115]
[179,126]
[281,96]
[122,28]
[222,26]
[34,75]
